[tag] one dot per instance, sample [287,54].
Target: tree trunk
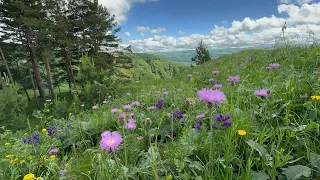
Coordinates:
[50,82]
[6,64]
[69,65]
[1,81]
[34,88]
[35,66]
[23,84]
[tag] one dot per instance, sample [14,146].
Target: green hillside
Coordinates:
[263,126]
[147,66]
[185,56]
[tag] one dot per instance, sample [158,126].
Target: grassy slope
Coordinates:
[275,123]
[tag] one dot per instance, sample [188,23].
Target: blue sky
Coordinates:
[169,25]
[194,16]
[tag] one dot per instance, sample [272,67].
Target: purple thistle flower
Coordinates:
[139,138]
[114,110]
[135,103]
[211,96]
[131,125]
[200,116]
[63,172]
[234,78]
[126,107]
[211,80]
[53,151]
[110,140]
[189,75]
[105,102]
[151,108]
[197,126]
[215,72]
[122,115]
[220,117]
[165,93]
[159,104]
[94,107]
[217,86]
[261,92]
[131,114]
[274,65]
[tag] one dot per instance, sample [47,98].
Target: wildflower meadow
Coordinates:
[217,121]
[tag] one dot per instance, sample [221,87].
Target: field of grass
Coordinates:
[272,134]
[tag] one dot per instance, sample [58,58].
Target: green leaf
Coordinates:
[261,150]
[296,172]
[196,165]
[179,164]
[259,175]
[315,160]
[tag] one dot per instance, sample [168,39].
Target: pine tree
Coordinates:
[202,55]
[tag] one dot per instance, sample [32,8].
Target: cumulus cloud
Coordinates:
[120,8]
[296,1]
[180,32]
[127,34]
[148,29]
[302,27]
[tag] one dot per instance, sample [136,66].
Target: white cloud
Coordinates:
[141,35]
[148,29]
[120,8]
[301,20]
[180,32]
[127,34]
[296,1]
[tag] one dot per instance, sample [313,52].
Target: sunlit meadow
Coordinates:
[248,115]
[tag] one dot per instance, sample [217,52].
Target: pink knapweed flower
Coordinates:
[200,116]
[53,151]
[211,80]
[131,114]
[217,86]
[211,96]
[131,124]
[105,102]
[139,138]
[151,108]
[189,75]
[126,107]
[122,115]
[215,72]
[135,103]
[234,78]
[110,140]
[94,107]
[114,110]
[261,92]
[274,65]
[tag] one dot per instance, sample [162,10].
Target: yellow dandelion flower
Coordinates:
[44,131]
[7,144]
[120,110]
[22,162]
[29,176]
[39,178]
[52,157]
[242,132]
[315,97]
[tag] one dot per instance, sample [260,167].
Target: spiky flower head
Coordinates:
[110,141]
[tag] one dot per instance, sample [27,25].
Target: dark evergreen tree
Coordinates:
[202,55]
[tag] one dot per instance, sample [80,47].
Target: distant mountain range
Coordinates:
[185,56]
